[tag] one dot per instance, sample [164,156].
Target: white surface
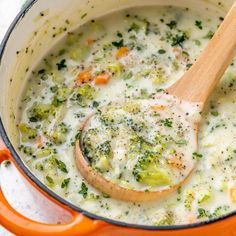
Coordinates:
[19,193]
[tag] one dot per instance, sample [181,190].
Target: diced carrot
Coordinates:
[39,142]
[176,162]
[232,193]
[90,41]
[84,76]
[123,51]
[102,79]
[158,107]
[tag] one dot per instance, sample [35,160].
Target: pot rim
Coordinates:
[49,192]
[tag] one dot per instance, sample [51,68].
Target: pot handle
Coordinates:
[20,225]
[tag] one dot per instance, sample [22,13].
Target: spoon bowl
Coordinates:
[104,185]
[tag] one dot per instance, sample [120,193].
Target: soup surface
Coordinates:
[114,72]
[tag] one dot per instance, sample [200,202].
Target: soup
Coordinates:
[130,56]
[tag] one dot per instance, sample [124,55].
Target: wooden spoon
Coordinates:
[195,86]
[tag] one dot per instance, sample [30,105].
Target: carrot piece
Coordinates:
[123,51]
[90,41]
[102,79]
[158,107]
[232,193]
[84,77]
[39,142]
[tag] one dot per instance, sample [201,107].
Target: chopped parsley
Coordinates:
[197,156]
[172,24]
[134,27]
[42,71]
[209,35]
[62,64]
[118,44]
[95,104]
[49,179]
[198,24]
[61,166]
[65,183]
[178,39]
[215,113]
[167,122]
[84,15]
[119,34]
[77,136]
[83,190]
[202,213]
[161,51]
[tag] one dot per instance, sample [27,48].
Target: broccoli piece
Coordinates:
[61,165]
[88,143]
[49,181]
[103,154]
[27,132]
[65,183]
[139,146]
[134,27]
[115,69]
[189,197]
[98,155]
[61,96]
[59,134]
[205,197]
[147,172]
[202,213]
[27,150]
[137,127]
[167,219]
[45,152]
[39,112]
[83,190]
[79,53]
[219,211]
[84,95]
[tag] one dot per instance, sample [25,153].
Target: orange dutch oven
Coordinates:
[31,31]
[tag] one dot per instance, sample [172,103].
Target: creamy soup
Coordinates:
[115,67]
[142,144]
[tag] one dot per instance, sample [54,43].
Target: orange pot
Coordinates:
[27,33]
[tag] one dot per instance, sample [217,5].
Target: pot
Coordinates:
[32,34]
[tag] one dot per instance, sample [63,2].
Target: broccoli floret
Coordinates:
[84,95]
[39,111]
[189,197]
[43,152]
[147,172]
[138,146]
[167,219]
[79,53]
[61,96]
[135,126]
[88,148]
[103,154]
[59,134]
[27,132]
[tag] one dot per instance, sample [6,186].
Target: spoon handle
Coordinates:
[199,81]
